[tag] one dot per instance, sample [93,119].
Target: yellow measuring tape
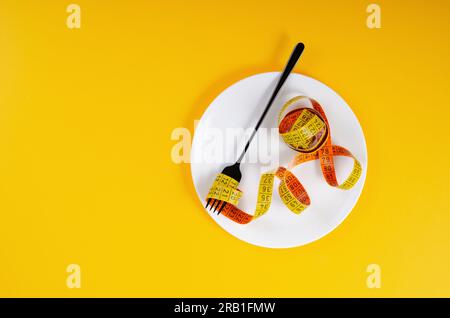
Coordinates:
[307,131]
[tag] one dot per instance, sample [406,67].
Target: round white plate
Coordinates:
[240,106]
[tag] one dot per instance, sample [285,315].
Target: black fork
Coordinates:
[234,171]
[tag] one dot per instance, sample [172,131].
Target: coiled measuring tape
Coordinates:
[306,130]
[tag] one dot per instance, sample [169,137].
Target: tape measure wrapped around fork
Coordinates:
[306,130]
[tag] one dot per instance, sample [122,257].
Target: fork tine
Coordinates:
[216,205]
[212,204]
[221,207]
[207,203]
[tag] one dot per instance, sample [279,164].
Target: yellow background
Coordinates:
[86,175]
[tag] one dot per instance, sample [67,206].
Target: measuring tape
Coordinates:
[306,130]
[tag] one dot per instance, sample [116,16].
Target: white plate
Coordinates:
[240,106]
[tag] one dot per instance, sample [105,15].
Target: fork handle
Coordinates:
[298,50]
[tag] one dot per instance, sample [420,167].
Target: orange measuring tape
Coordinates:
[306,130]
